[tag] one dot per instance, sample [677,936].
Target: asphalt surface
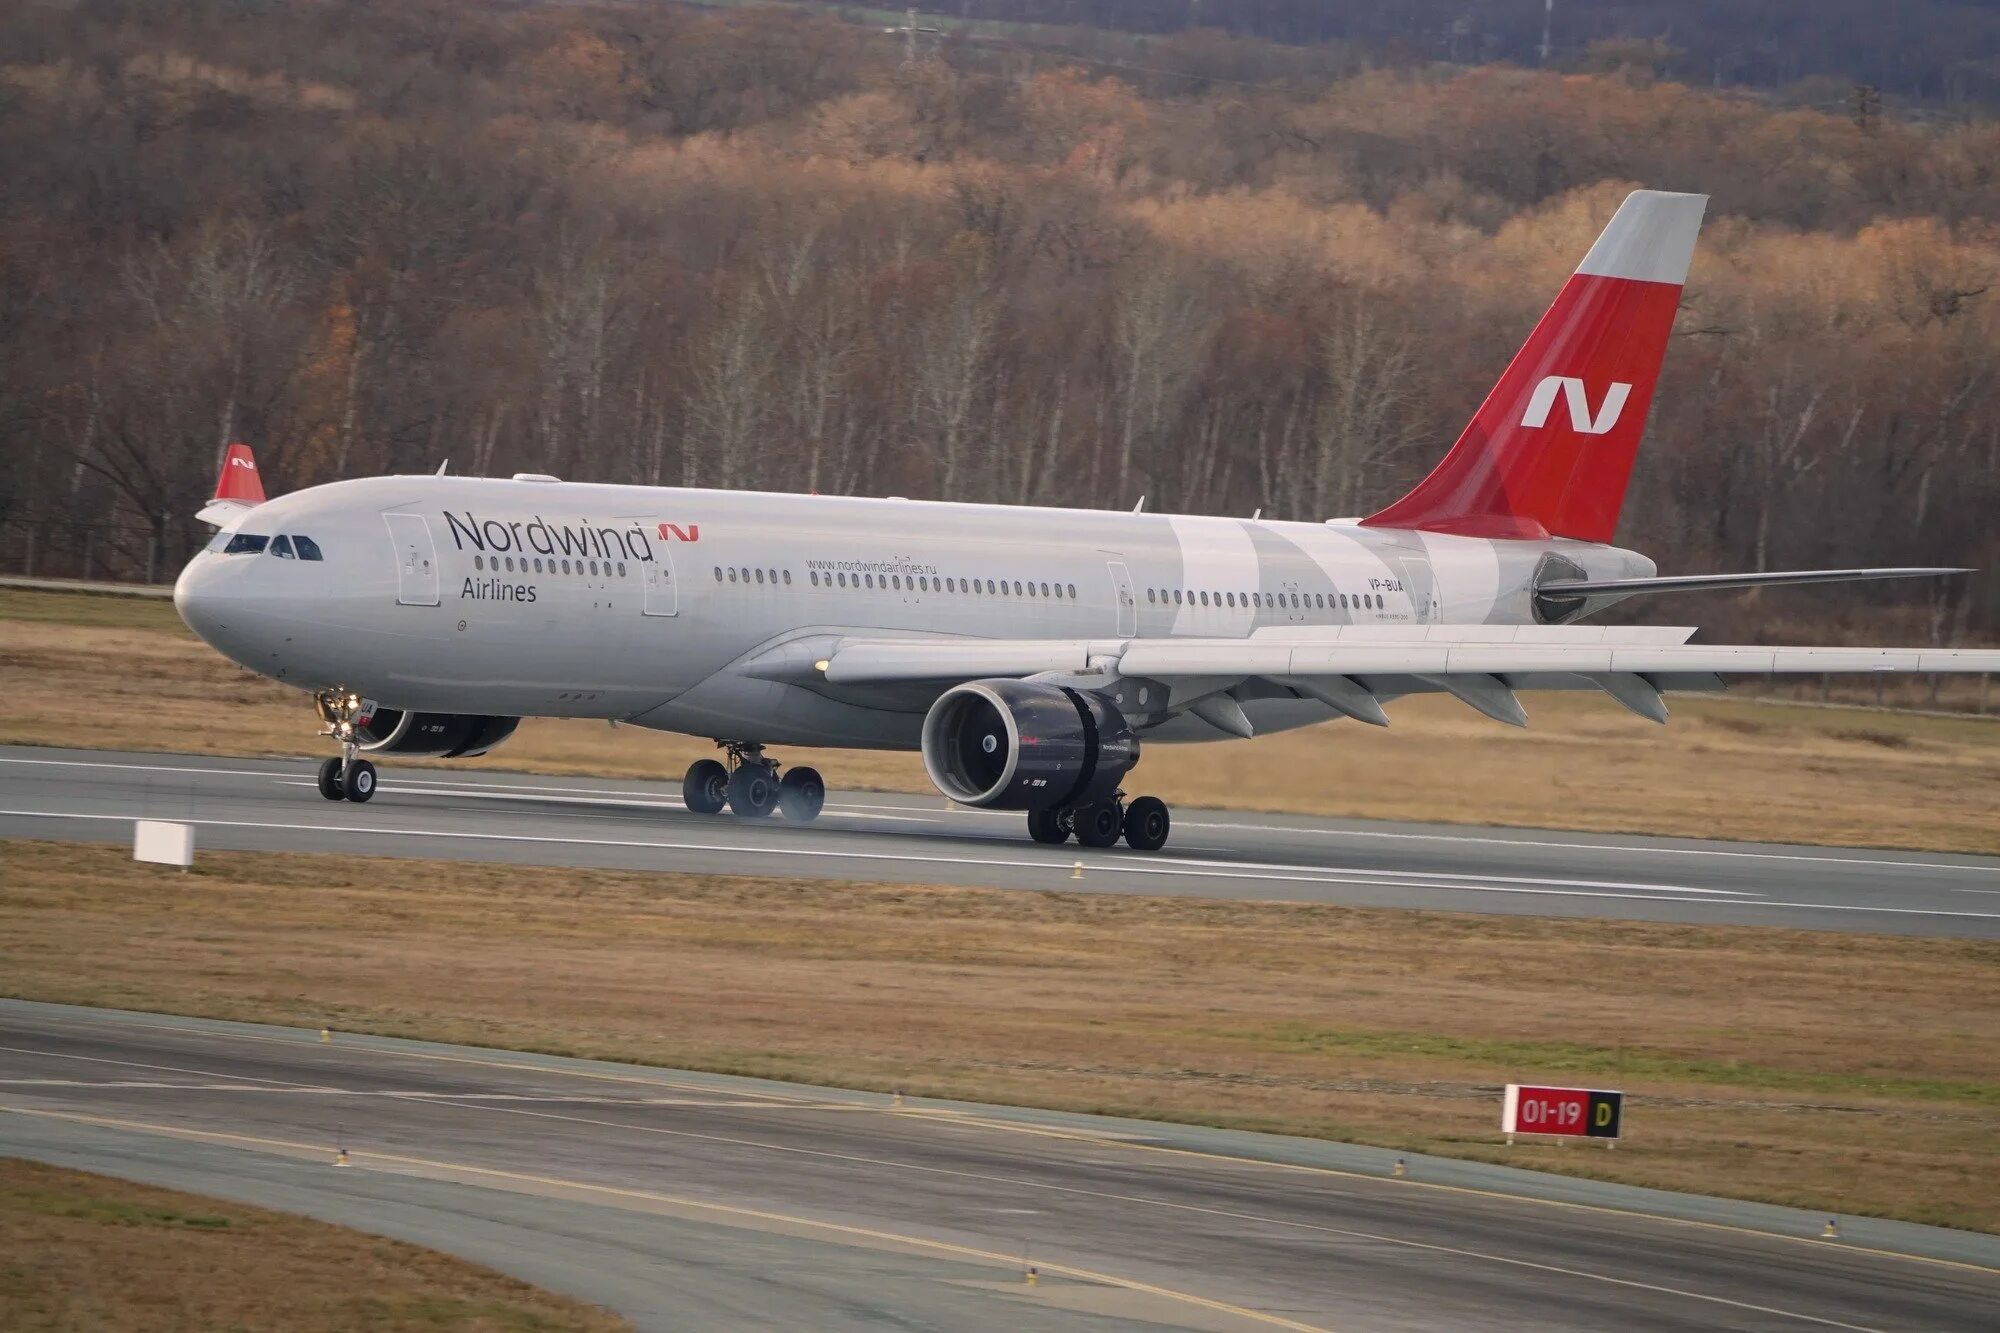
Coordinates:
[701,1201]
[480,815]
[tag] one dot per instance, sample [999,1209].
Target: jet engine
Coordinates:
[433,735]
[1020,745]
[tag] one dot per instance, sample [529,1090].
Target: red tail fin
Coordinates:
[239,479]
[1551,448]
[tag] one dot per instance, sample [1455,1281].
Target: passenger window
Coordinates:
[281,546]
[732,576]
[244,543]
[1045,590]
[718,573]
[479,562]
[1072,592]
[621,568]
[788,575]
[760,576]
[307,548]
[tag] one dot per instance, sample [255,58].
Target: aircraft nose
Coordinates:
[194,601]
[208,607]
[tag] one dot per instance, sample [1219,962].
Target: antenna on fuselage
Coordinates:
[1257,513]
[1140,508]
[442,466]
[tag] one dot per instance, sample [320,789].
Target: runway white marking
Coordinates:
[1830,856]
[1132,866]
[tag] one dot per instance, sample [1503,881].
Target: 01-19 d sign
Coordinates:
[1584,1113]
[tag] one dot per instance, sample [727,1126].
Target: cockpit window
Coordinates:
[281,546]
[307,547]
[244,543]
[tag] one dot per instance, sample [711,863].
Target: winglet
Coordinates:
[237,490]
[239,480]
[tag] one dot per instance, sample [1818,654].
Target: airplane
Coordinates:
[1026,652]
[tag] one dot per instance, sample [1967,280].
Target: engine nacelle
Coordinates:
[1018,745]
[433,735]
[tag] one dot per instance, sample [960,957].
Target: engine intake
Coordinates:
[434,735]
[1018,745]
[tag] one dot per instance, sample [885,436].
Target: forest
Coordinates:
[766,247]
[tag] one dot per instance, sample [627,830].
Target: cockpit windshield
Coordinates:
[288,546]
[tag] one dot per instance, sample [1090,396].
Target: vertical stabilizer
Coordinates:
[1550,450]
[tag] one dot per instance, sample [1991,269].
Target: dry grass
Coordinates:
[81,1251]
[122,673]
[1842,1071]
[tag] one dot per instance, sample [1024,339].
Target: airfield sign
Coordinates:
[1584,1113]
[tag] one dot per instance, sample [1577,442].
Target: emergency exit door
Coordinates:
[1128,599]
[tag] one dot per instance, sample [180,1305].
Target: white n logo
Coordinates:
[1574,394]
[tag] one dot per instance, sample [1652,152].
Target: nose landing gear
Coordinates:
[750,787]
[349,777]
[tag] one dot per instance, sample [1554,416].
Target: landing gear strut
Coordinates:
[349,777]
[1143,823]
[750,787]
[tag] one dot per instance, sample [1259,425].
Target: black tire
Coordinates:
[329,781]
[1098,825]
[753,791]
[359,783]
[1146,824]
[801,795]
[705,789]
[1047,826]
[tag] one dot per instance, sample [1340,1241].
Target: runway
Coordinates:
[701,1201]
[482,815]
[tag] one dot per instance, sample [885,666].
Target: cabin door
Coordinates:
[662,588]
[416,559]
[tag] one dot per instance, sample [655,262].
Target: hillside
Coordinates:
[755,246]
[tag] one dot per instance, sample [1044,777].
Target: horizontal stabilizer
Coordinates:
[1704,582]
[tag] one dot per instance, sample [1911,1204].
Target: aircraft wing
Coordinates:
[1770,579]
[1353,668]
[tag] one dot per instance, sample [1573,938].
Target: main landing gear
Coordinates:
[349,777]
[1143,823]
[750,787]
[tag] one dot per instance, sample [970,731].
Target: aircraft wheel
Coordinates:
[753,791]
[1047,826]
[329,781]
[801,795]
[1098,825]
[705,789]
[1146,824]
[359,784]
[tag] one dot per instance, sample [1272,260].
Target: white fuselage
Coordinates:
[538,598]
